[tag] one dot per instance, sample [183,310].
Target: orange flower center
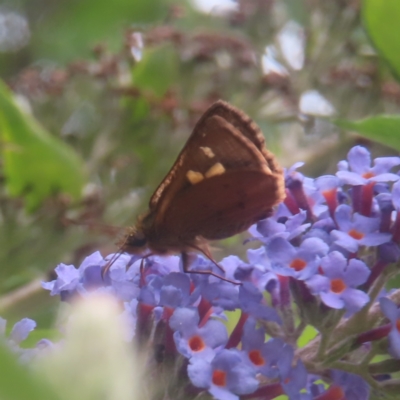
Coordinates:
[368,175]
[298,264]
[337,285]
[219,377]
[196,343]
[398,324]
[330,195]
[356,234]
[256,358]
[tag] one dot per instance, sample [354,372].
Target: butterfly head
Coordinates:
[136,240]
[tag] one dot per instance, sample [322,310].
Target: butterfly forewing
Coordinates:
[223,181]
[219,148]
[236,119]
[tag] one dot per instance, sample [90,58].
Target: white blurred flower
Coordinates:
[136,45]
[313,103]
[270,65]
[14,31]
[94,361]
[291,40]
[215,7]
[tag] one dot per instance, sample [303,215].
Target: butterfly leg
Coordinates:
[107,267]
[187,260]
[206,251]
[142,267]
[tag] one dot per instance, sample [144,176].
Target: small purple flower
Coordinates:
[272,359]
[231,264]
[262,277]
[328,186]
[18,334]
[293,173]
[123,277]
[353,386]
[87,278]
[226,377]
[361,172]
[193,340]
[252,302]
[315,198]
[21,330]
[299,262]
[66,283]
[327,183]
[295,381]
[269,228]
[69,278]
[175,291]
[336,285]
[391,311]
[357,230]
[222,294]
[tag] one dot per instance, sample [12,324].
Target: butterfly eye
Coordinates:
[136,240]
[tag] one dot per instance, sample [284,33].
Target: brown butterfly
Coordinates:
[223,181]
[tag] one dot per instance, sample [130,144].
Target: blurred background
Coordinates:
[99,98]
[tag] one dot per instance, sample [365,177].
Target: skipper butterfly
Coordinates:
[223,181]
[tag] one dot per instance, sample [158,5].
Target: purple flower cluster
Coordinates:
[321,256]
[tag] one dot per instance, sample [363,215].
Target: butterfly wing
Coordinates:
[223,174]
[220,206]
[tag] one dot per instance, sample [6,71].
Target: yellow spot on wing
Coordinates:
[216,169]
[208,152]
[194,177]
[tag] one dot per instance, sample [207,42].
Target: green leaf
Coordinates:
[384,129]
[36,164]
[17,382]
[157,71]
[381,20]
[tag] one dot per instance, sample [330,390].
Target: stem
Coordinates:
[22,293]
[369,356]
[384,367]
[322,346]
[286,306]
[299,330]
[360,318]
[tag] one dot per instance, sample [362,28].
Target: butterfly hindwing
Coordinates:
[220,206]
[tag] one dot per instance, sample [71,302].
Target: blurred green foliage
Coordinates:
[383,129]
[17,382]
[36,165]
[382,23]
[126,110]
